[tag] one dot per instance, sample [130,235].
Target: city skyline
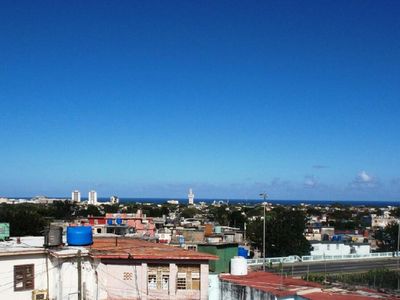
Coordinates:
[149,99]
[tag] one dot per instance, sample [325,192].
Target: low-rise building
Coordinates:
[339,248]
[265,285]
[110,268]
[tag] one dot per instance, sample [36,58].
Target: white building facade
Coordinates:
[339,248]
[191,197]
[76,196]
[92,198]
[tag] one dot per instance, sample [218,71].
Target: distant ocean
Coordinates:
[375,203]
[258,201]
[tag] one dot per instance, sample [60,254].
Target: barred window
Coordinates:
[181,283]
[152,281]
[158,277]
[165,282]
[188,277]
[24,277]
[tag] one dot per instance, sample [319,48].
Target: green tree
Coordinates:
[386,239]
[24,219]
[220,214]
[284,233]
[189,212]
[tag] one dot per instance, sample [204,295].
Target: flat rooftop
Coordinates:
[127,248]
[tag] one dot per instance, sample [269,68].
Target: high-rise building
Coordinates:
[92,199]
[191,197]
[76,196]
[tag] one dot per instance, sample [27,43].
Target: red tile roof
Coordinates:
[272,283]
[127,248]
[288,286]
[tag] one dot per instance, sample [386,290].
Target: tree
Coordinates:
[284,233]
[237,219]
[189,212]
[220,214]
[24,219]
[386,239]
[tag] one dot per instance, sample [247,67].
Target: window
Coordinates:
[194,248]
[337,246]
[24,277]
[328,247]
[158,277]
[188,277]
[165,282]
[195,281]
[152,281]
[181,281]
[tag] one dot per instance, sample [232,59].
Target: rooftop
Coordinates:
[127,248]
[288,286]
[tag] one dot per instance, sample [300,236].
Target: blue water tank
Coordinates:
[243,252]
[118,221]
[109,221]
[79,236]
[181,240]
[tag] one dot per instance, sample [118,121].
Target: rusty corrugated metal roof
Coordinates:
[127,248]
[288,286]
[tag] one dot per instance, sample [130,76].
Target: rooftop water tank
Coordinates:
[238,265]
[109,221]
[79,236]
[53,236]
[243,252]
[118,221]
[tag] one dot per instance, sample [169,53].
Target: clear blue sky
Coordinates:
[232,98]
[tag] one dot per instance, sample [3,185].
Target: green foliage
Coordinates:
[90,210]
[284,233]
[387,238]
[314,277]
[24,219]
[189,212]
[220,214]
[395,212]
[377,278]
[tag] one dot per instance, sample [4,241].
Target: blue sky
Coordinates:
[232,98]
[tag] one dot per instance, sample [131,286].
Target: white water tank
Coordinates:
[238,265]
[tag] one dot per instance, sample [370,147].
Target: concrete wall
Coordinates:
[100,281]
[7,264]
[231,291]
[339,249]
[129,281]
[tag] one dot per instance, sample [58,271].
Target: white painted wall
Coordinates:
[339,249]
[7,264]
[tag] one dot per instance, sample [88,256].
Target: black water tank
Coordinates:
[53,236]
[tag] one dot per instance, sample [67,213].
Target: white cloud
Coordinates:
[364,177]
[364,180]
[310,182]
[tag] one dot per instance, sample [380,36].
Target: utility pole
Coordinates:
[398,257]
[79,266]
[264,195]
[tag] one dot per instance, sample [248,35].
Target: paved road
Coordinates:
[299,269]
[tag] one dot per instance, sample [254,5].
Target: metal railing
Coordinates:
[311,258]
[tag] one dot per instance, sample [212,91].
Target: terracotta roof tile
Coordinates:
[288,286]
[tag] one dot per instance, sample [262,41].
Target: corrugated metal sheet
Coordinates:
[125,248]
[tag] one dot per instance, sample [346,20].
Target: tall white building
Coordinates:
[76,196]
[191,197]
[92,199]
